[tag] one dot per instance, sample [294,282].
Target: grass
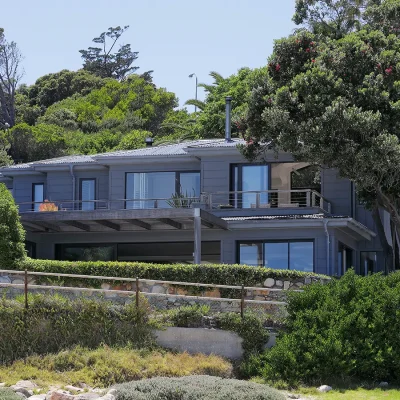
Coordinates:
[7,394]
[353,394]
[106,366]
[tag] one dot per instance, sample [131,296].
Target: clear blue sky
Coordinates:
[173,37]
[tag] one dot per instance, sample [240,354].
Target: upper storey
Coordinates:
[211,174]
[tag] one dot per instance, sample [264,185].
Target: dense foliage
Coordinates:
[224,274]
[8,394]
[347,329]
[195,388]
[12,233]
[65,323]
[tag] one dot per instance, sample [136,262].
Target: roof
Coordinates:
[177,149]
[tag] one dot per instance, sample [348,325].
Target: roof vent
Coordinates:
[149,142]
[228,110]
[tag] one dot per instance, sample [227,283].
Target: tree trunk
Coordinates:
[387,248]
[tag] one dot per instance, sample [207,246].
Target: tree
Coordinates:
[105,63]
[10,75]
[335,103]
[12,234]
[333,18]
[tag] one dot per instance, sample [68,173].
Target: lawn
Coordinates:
[106,366]
[357,394]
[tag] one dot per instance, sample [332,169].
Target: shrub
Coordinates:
[208,273]
[12,234]
[195,388]
[106,366]
[187,316]
[8,394]
[250,328]
[347,328]
[47,206]
[53,323]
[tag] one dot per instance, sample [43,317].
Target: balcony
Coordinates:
[266,201]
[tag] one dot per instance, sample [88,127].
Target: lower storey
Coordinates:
[316,250]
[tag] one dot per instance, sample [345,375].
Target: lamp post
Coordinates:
[191,76]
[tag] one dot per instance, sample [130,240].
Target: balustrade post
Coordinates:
[308,201]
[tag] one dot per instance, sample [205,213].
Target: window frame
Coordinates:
[34,202]
[177,179]
[238,199]
[81,180]
[287,241]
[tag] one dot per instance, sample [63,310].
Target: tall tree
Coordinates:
[332,18]
[106,63]
[10,75]
[336,103]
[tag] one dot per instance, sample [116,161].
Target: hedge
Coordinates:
[225,274]
[54,323]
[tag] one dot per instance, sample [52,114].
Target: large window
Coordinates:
[296,255]
[87,194]
[161,189]
[249,178]
[37,195]
[85,252]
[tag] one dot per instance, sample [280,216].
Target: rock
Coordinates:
[18,282]
[22,390]
[60,395]
[112,392]
[286,285]
[3,384]
[21,395]
[73,388]
[324,389]
[293,396]
[279,283]
[269,282]
[5,279]
[26,384]
[105,286]
[158,289]
[384,384]
[108,396]
[307,280]
[88,396]
[38,397]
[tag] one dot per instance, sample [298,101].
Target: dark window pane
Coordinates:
[276,255]
[251,254]
[86,253]
[302,256]
[368,262]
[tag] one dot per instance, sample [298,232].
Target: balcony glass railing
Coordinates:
[236,200]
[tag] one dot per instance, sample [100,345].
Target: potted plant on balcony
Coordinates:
[182,200]
[47,206]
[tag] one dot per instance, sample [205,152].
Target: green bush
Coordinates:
[250,328]
[8,394]
[187,316]
[12,234]
[349,328]
[53,323]
[195,388]
[209,273]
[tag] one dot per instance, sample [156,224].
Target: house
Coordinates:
[197,201]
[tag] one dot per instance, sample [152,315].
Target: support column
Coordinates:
[197,236]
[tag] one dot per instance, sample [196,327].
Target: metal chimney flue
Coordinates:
[149,142]
[228,112]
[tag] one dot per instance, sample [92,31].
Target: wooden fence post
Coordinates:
[137,293]
[242,303]
[26,289]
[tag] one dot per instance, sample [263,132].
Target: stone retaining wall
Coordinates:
[160,295]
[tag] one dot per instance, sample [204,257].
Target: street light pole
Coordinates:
[191,76]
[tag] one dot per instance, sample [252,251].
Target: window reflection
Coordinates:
[296,255]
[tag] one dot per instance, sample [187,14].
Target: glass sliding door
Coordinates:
[37,195]
[157,189]
[250,179]
[87,194]
[276,255]
[251,254]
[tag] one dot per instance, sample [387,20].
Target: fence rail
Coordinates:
[136,290]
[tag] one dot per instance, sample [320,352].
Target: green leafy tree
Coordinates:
[336,103]
[105,63]
[333,18]
[12,234]
[210,121]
